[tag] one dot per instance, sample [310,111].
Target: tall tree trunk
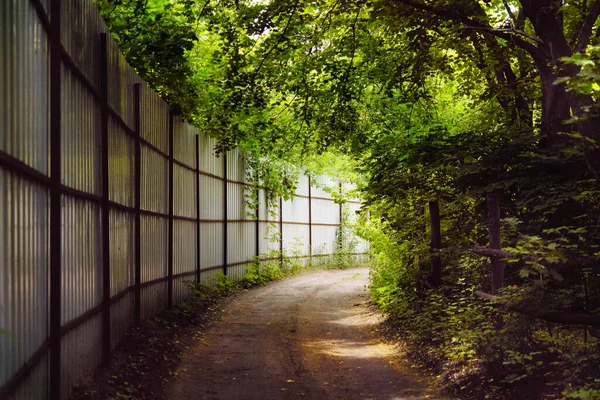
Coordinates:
[555,105]
[558,104]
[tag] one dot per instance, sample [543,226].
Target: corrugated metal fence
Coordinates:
[108,201]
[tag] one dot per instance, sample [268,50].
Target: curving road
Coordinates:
[311,336]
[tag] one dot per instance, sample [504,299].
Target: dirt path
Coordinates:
[308,337]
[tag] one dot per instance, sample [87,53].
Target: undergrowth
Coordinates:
[478,348]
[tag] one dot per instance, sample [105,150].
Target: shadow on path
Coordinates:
[307,337]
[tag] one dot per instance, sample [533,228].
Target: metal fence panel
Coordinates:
[268,234]
[154,248]
[122,263]
[236,166]
[181,292]
[24,85]
[324,239]
[81,137]
[296,210]
[23,271]
[122,251]
[237,272]
[81,26]
[211,242]
[184,192]
[322,186]
[121,78]
[209,277]
[184,142]
[81,258]
[241,240]
[302,188]
[208,162]
[154,264]
[155,181]
[184,257]
[154,299]
[36,385]
[211,201]
[121,172]
[121,317]
[325,212]
[295,239]
[267,212]
[155,119]
[81,352]
[236,202]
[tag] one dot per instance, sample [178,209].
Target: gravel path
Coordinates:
[311,336]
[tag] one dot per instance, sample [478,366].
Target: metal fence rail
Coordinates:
[109,202]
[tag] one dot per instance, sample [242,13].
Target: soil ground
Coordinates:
[312,336]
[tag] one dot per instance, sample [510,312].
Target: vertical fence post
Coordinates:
[281,230]
[198,254]
[436,243]
[225,213]
[170,223]
[493,208]
[55,199]
[106,345]
[310,238]
[138,200]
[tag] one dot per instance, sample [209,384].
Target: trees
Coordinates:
[434,100]
[548,32]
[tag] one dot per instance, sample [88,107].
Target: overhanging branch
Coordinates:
[450,16]
[583,39]
[506,30]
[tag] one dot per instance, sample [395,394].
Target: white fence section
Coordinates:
[109,202]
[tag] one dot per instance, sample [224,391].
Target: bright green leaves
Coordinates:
[155,36]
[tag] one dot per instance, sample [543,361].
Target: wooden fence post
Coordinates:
[493,207]
[436,243]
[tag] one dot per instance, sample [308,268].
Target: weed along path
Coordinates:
[311,336]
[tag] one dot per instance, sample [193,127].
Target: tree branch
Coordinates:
[506,30]
[488,252]
[551,316]
[449,16]
[279,39]
[510,13]
[585,33]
